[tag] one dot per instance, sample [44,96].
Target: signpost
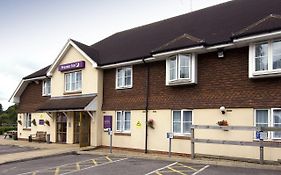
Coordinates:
[72,66]
[110,139]
[170,136]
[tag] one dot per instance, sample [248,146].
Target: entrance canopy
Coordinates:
[71,103]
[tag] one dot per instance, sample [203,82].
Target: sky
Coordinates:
[33,32]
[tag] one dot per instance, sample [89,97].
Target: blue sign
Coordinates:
[107,122]
[258,135]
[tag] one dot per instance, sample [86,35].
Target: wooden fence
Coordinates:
[260,143]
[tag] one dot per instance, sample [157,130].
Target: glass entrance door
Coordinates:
[76,127]
[61,127]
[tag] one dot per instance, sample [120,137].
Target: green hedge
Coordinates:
[4,129]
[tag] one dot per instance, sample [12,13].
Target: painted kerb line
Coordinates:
[202,169]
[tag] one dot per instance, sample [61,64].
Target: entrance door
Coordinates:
[76,127]
[61,127]
[85,125]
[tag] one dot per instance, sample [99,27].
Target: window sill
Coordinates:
[72,92]
[264,74]
[122,134]
[182,137]
[180,82]
[46,95]
[26,129]
[121,88]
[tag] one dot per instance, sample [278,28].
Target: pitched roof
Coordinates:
[39,73]
[78,102]
[214,25]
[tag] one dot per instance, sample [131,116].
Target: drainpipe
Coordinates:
[146,103]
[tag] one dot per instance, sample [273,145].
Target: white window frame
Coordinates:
[181,133]
[270,123]
[45,86]
[122,122]
[123,85]
[27,120]
[73,73]
[270,72]
[192,79]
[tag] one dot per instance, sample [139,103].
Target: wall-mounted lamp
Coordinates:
[222,109]
[220,53]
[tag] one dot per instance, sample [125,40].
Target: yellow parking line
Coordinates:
[157,172]
[57,171]
[77,166]
[188,167]
[176,171]
[108,159]
[94,162]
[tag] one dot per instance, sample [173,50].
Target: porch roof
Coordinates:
[71,103]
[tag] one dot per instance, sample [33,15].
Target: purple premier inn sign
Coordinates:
[72,66]
[107,122]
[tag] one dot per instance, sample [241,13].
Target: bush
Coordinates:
[4,129]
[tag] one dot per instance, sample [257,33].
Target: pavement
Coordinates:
[35,150]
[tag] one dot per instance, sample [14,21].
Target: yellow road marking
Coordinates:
[176,171]
[108,159]
[188,167]
[57,171]
[77,166]
[94,162]
[157,172]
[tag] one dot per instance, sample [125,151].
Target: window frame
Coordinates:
[192,70]
[123,85]
[122,122]
[181,133]
[27,122]
[252,60]
[44,86]
[65,84]
[270,123]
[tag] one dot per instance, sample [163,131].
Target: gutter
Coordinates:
[146,85]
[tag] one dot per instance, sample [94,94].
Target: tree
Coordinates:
[1,108]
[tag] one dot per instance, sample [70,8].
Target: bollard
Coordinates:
[48,138]
[192,144]
[261,152]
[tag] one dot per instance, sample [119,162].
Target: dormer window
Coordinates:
[265,59]
[180,69]
[46,87]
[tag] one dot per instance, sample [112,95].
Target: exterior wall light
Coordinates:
[222,109]
[220,53]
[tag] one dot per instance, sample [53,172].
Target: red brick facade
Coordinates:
[221,81]
[31,98]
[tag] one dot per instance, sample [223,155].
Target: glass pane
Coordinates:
[176,116]
[173,68]
[127,126]
[176,127]
[186,127]
[187,116]
[118,119]
[277,116]
[277,134]
[276,52]
[261,116]
[128,81]
[184,72]
[261,55]
[127,115]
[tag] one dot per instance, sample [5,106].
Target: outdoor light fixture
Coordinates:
[222,109]
[220,53]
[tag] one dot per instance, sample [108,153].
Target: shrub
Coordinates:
[4,129]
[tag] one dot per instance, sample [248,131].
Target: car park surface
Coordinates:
[8,149]
[108,165]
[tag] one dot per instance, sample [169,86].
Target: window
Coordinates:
[182,121]
[124,77]
[269,118]
[180,69]
[123,121]
[73,81]
[265,59]
[27,120]
[46,87]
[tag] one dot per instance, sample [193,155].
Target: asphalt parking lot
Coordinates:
[7,149]
[112,165]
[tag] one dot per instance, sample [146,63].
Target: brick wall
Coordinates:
[221,81]
[31,98]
